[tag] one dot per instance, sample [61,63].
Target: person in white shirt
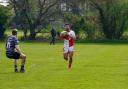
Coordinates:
[69,41]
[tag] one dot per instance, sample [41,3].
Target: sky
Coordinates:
[3,2]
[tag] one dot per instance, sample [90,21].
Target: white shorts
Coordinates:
[68,49]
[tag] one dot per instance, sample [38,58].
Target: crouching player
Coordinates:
[13,51]
[69,39]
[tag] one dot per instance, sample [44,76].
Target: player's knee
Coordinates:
[23,56]
[71,54]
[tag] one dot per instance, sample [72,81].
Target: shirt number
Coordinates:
[8,45]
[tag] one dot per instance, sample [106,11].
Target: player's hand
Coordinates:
[69,36]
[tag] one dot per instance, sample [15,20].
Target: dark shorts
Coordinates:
[14,55]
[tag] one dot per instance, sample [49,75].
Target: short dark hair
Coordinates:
[14,32]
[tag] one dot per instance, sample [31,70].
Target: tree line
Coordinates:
[95,19]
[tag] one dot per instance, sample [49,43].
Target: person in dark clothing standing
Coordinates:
[53,36]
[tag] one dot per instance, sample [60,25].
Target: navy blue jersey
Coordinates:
[10,45]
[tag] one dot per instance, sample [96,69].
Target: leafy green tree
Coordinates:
[4,19]
[34,13]
[113,17]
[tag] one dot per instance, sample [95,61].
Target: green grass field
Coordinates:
[96,66]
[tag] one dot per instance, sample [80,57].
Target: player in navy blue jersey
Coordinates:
[13,51]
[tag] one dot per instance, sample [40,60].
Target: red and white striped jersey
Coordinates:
[69,41]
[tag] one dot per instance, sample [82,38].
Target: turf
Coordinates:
[96,66]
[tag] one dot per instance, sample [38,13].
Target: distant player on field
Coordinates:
[69,44]
[13,51]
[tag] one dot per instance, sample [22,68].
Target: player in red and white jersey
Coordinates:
[69,41]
